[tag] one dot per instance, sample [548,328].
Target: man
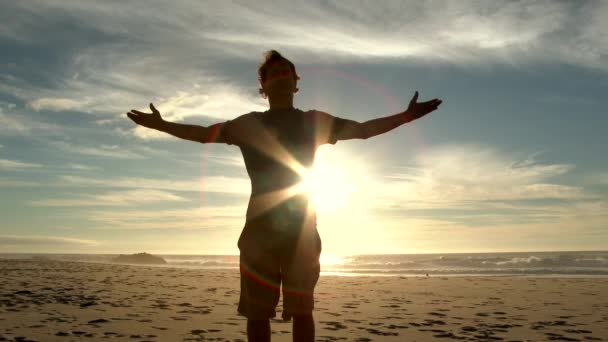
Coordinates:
[280,244]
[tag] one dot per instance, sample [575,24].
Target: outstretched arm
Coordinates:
[371,128]
[184,131]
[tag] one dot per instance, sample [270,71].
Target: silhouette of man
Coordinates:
[279,244]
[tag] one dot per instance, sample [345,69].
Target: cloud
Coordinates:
[81,167]
[221,184]
[213,105]
[17,123]
[55,104]
[22,241]
[459,174]
[476,187]
[17,183]
[574,225]
[125,55]
[116,198]
[218,217]
[601,178]
[11,124]
[108,151]
[233,161]
[446,31]
[217,105]
[14,164]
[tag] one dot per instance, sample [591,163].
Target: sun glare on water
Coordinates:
[330,259]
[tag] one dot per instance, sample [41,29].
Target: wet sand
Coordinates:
[44,300]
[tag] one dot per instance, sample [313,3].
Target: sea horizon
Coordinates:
[533,263]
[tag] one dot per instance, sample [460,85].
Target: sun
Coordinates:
[328,186]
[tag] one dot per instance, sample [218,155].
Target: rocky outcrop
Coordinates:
[140,258]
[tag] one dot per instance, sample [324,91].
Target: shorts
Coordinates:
[292,266]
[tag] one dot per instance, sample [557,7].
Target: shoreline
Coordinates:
[331,270]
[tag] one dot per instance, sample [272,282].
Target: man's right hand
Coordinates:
[150,120]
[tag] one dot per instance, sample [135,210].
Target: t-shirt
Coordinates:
[278,147]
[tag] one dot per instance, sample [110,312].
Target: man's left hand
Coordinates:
[420,109]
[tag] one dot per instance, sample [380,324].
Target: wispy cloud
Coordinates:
[116,198]
[12,241]
[478,186]
[16,183]
[11,125]
[233,160]
[211,104]
[81,167]
[15,122]
[210,184]
[601,178]
[217,104]
[7,164]
[108,151]
[55,104]
[183,67]
[453,175]
[186,219]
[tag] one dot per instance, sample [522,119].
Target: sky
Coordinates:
[513,160]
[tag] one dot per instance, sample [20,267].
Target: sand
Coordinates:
[43,300]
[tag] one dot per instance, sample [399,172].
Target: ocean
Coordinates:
[581,263]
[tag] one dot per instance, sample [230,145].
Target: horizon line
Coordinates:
[346,255]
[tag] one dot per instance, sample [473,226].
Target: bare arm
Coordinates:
[184,131]
[371,128]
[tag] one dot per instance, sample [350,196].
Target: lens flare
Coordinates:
[327,186]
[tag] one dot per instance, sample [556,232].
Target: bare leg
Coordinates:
[258,330]
[303,328]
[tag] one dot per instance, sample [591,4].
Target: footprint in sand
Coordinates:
[395,326]
[432,322]
[449,335]
[227,323]
[331,325]
[97,321]
[329,338]
[378,332]
[578,331]
[559,337]
[352,321]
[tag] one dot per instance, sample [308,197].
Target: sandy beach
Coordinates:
[44,300]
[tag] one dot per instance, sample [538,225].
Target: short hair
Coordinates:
[271,57]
